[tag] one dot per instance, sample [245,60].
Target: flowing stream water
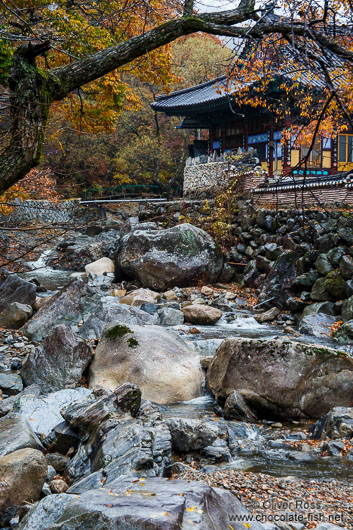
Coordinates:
[262,447]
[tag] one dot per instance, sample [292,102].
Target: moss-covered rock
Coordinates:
[280,378]
[335,285]
[179,256]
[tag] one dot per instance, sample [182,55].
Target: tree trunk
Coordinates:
[30,102]
[32,91]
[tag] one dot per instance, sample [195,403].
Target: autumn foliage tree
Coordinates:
[74,54]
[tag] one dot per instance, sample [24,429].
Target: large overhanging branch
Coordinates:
[258,31]
[70,77]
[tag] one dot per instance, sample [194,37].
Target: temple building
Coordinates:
[208,106]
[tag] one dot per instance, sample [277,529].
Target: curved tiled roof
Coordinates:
[207,93]
[214,94]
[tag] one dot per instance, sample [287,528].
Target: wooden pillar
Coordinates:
[246,134]
[223,138]
[287,151]
[334,155]
[270,151]
[210,142]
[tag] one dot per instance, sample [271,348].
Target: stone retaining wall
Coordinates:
[202,179]
[311,195]
[46,212]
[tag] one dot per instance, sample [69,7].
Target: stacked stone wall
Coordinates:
[46,212]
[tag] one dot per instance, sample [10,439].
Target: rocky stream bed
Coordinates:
[138,390]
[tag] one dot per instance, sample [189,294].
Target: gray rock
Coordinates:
[317,324]
[164,367]
[333,448]
[45,513]
[90,482]
[268,315]
[319,291]
[43,413]
[272,251]
[109,310]
[279,279]
[327,308]
[86,415]
[323,265]
[11,384]
[170,317]
[71,305]
[191,434]
[235,408]
[335,285]
[15,315]
[228,272]
[347,309]
[22,475]
[16,433]
[144,508]
[346,234]
[50,473]
[7,405]
[305,281]
[263,264]
[252,277]
[201,314]
[122,445]
[295,304]
[345,333]
[283,379]
[58,462]
[326,242]
[59,362]
[338,423]
[346,267]
[75,252]
[335,254]
[178,256]
[15,289]
[61,438]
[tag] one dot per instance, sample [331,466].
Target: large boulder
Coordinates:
[179,256]
[59,362]
[157,360]
[282,379]
[71,305]
[118,437]
[201,314]
[22,476]
[76,251]
[152,503]
[81,302]
[15,315]
[15,289]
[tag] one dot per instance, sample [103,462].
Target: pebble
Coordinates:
[266,496]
